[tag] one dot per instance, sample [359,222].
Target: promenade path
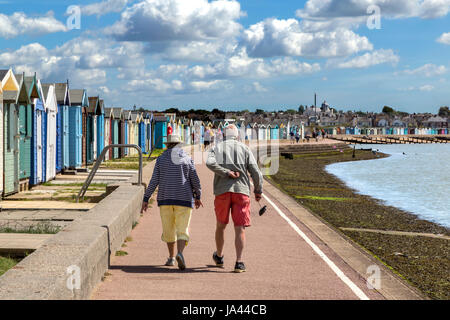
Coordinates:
[280,263]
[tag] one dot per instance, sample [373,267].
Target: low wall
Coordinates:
[84,245]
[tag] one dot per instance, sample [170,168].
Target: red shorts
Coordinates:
[239,205]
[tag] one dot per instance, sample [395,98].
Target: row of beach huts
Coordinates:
[49,128]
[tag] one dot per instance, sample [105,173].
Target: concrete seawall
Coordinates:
[85,246]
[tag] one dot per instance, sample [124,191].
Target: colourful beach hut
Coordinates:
[9,143]
[38,127]
[62,126]
[142,133]
[25,125]
[108,120]
[51,109]
[93,113]
[126,123]
[160,132]
[100,128]
[13,94]
[116,120]
[78,101]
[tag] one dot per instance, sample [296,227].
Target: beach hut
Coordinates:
[274,132]
[108,120]
[149,119]
[126,122]
[38,137]
[100,128]
[94,132]
[25,110]
[142,133]
[12,93]
[262,131]
[160,132]
[62,126]
[51,109]
[84,129]
[137,123]
[117,114]
[78,101]
[1,138]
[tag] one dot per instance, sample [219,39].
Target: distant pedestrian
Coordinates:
[231,161]
[178,191]
[292,137]
[297,136]
[207,138]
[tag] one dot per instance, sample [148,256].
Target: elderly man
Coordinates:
[179,190]
[231,161]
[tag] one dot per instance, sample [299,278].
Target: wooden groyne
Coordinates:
[390,139]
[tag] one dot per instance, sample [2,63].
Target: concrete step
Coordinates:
[17,243]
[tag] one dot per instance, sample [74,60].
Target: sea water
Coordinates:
[415,178]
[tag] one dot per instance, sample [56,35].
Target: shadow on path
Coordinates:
[164,269]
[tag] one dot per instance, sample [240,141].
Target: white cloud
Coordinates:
[426,87]
[368,59]
[428,70]
[19,23]
[274,37]
[168,20]
[352,11]
[104,7]
[444,38]
[84,61]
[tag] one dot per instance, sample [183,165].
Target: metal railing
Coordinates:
[99,161]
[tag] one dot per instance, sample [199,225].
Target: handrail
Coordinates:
[98,162]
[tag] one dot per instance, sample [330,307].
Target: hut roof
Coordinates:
[108,113]
[60,91]
[117,112]
[76,97]
[45,89]
[93,104]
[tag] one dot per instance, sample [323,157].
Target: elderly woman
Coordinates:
[178,191]
[231,161]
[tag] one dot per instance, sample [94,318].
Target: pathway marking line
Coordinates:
[357,291]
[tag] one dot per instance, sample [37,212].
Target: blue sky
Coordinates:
[237,54]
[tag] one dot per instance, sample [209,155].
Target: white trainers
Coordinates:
[180,260]
[170,262]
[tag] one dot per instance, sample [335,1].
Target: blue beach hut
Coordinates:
[62,126]
[78,100]
[160,132]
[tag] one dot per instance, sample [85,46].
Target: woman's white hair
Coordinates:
[231,132]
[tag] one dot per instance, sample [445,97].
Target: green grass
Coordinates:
[7,263]
[41,228]
[121,253]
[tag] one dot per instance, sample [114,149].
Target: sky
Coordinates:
[234,55]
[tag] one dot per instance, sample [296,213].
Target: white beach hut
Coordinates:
[51,107]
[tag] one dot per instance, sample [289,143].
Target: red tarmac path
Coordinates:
[280,264]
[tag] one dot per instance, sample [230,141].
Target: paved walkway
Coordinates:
[280,263]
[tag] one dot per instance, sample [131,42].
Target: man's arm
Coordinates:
[255,173]
[212,164]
